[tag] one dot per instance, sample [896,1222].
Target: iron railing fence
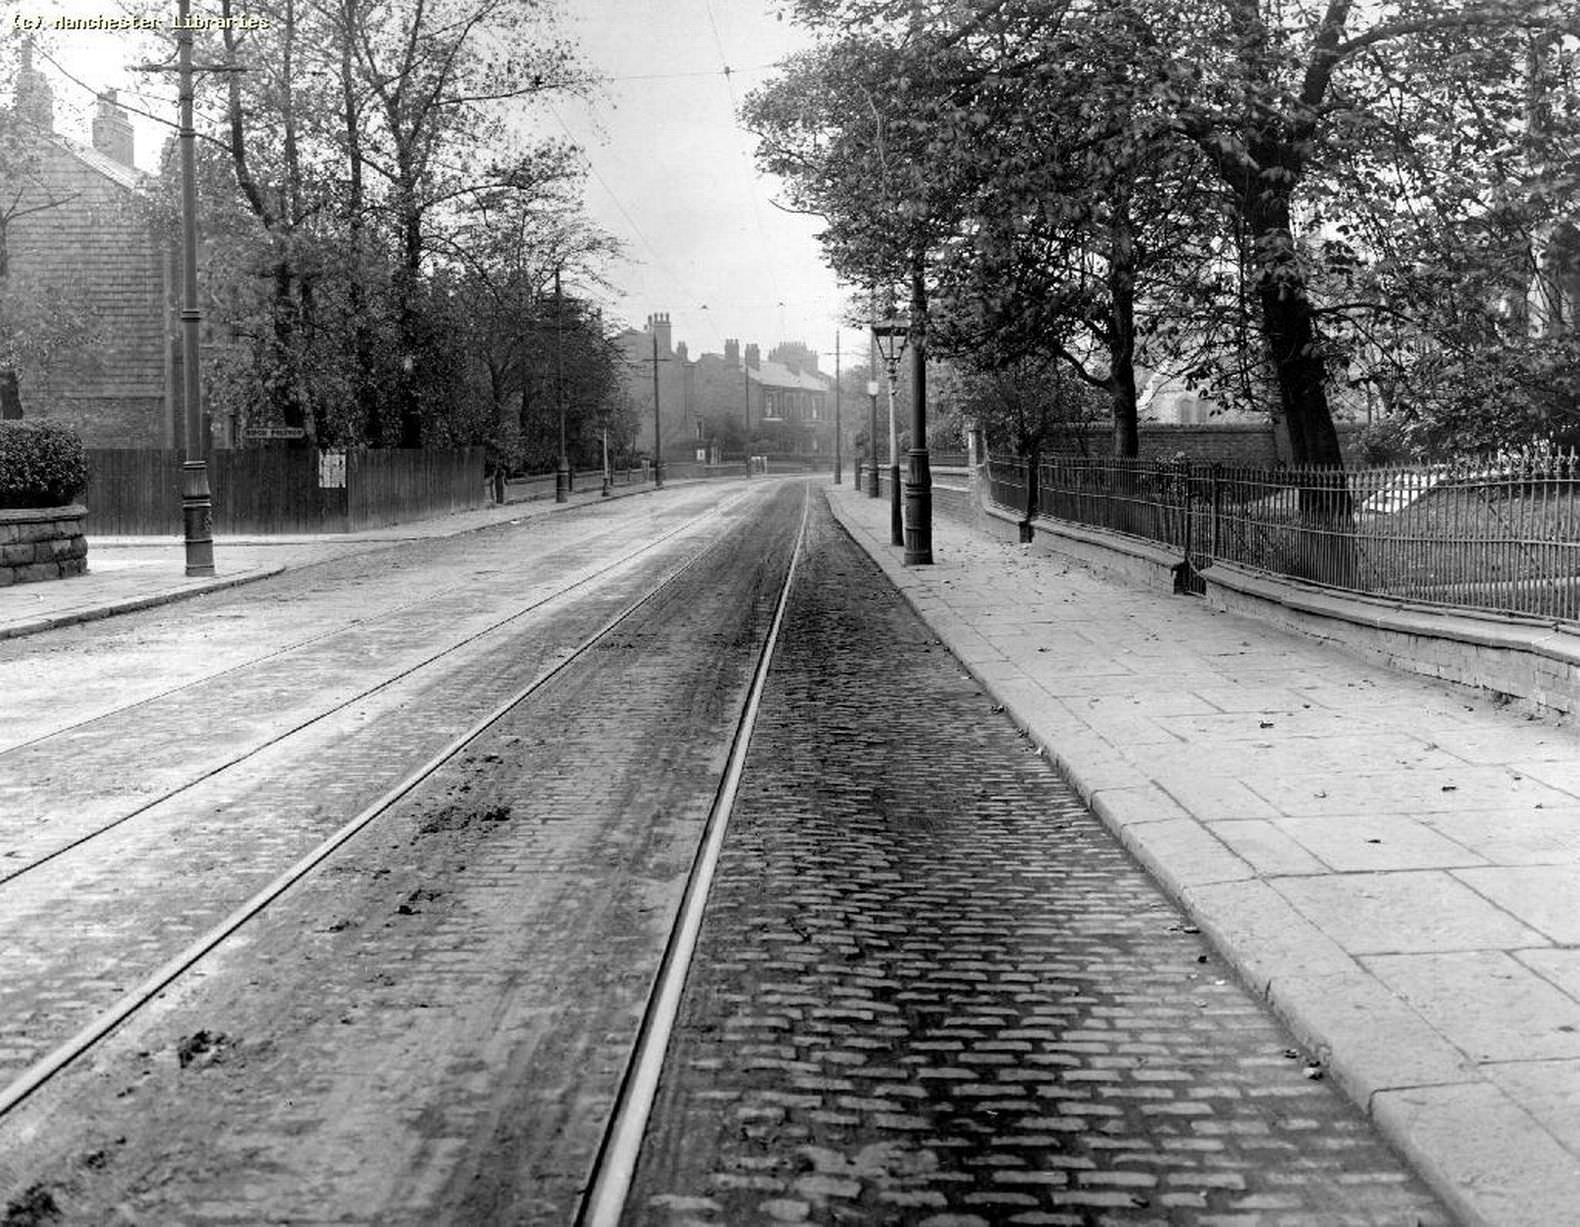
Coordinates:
[1007,483]
[1499,534]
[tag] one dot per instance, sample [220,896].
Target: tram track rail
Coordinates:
[85,1039]
[615,1164]
[229,762]
[362,624]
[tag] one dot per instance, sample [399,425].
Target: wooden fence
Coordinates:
[137,492]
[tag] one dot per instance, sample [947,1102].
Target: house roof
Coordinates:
[778,375]
[128,177]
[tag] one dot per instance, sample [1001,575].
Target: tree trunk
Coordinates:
[10,397]
[1289,326]
[1032,454]
[10,387]
[406,282]
[1327,550]
[1122,328]
[287,396]
[362,381]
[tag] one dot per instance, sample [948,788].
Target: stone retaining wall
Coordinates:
[42,543]
[1527,661]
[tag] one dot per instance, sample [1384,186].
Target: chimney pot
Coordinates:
[112,130]
[35,100]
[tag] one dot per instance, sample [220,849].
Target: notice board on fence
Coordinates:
[331,470]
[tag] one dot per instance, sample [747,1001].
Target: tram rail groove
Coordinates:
[615,1163]
[41,1071]
[384,684]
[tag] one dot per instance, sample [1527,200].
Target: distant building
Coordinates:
[797,395]
[713,405]
[75,222]
[1168,399]
[642,348]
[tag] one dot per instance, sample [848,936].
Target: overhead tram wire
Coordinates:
[751,188]
[618,203]
[132,90]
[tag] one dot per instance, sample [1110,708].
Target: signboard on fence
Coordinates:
[275,432]
[331,470]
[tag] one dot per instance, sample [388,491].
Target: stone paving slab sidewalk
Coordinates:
[1394,864]
[130,573]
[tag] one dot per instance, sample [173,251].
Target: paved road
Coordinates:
[367,1049]
[932,988]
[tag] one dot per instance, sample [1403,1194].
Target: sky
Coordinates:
[670,171]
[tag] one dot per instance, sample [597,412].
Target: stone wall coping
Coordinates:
[1400,622]
[1509,632]
[35,515]
[1120,543]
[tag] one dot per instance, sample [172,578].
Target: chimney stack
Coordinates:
[754,358]
[732,352]
[658,324]
[35,101]
[112,130]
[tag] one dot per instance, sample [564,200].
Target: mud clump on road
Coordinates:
[421,895]
[462,818]
[202,1047]
[34,1208]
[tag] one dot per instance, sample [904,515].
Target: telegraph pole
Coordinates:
[746,392]
[658,435]
[837,476]
[562,474]
[197,501]
[872,429]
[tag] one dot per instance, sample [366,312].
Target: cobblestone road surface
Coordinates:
[432,1028]
[932,990]
[81,929]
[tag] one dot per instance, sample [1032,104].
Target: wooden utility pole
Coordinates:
[837,475]
[658,434]
[197,500]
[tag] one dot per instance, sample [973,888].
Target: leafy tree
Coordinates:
[1024,407]
[851,129]
[356,151]
[438,74]
[1303,117]
[1281,99]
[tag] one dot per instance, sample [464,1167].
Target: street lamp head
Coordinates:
[890,335]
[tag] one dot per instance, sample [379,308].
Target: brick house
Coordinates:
[711,404]
[74,221]
[796,396]
[675,384]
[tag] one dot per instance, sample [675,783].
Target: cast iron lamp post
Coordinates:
[918,477]
[197,503]
[872,440]
[890,337]
[562,471]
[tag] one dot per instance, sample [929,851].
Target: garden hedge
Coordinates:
[41,465]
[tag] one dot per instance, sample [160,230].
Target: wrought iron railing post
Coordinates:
[1214,496]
